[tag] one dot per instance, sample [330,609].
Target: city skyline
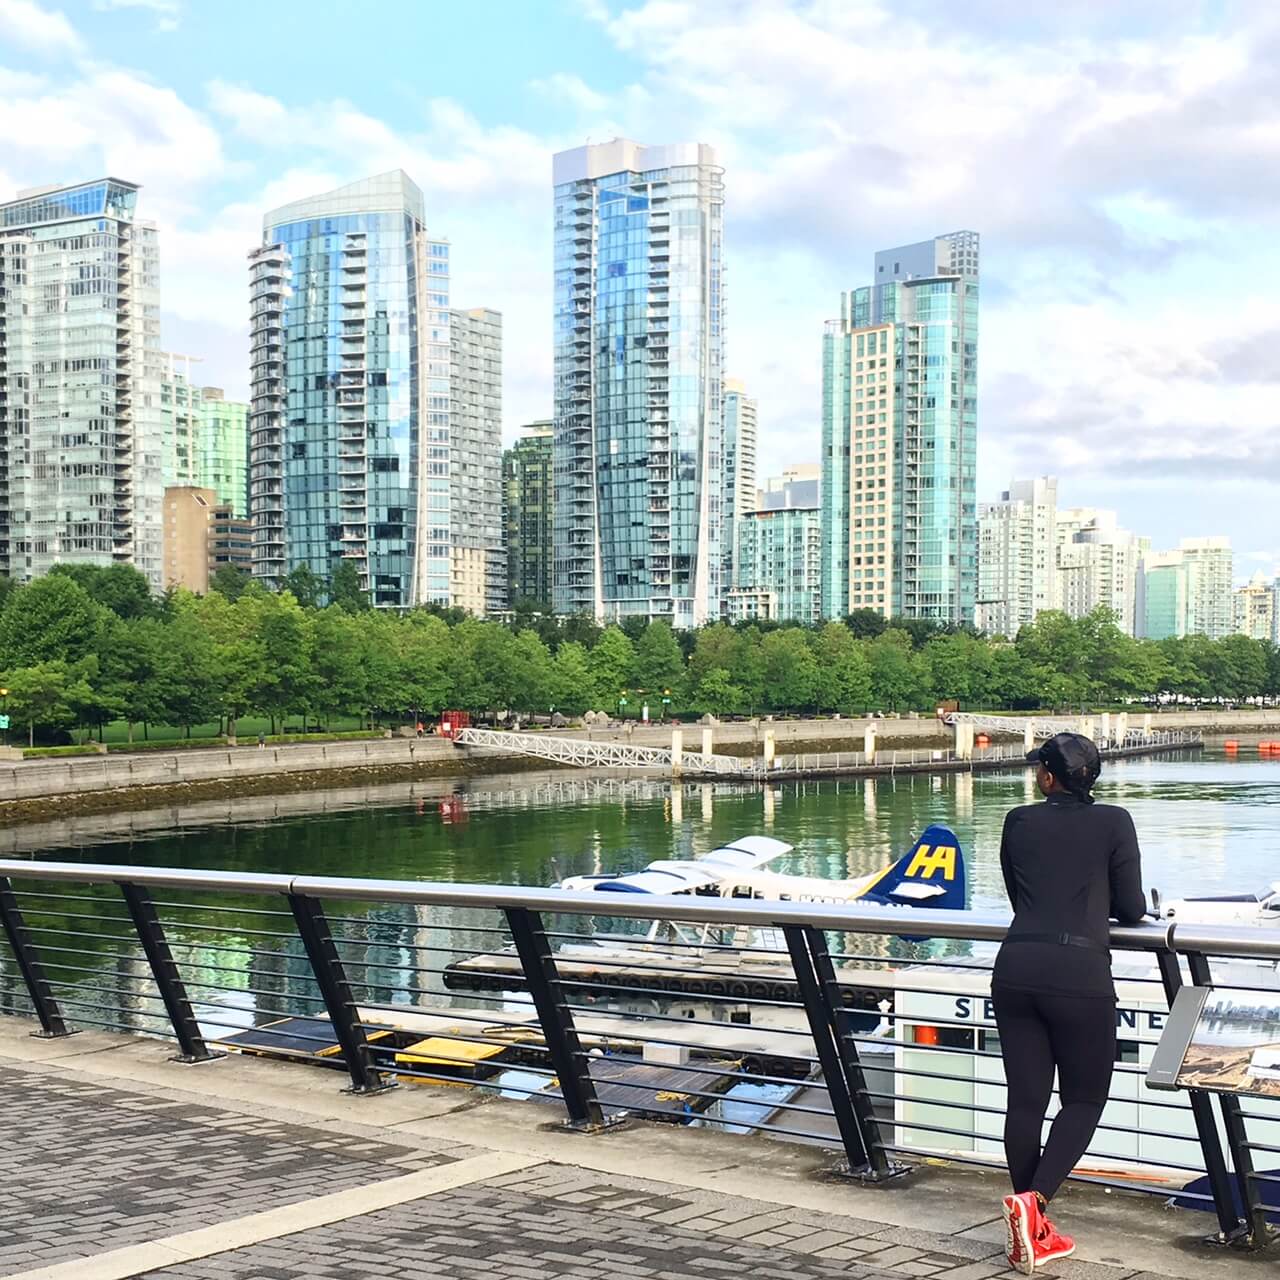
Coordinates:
[1126,327]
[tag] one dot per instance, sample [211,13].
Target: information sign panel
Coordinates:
[1221,1040]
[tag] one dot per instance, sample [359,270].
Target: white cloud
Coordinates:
[108,121]
[571,90]
[166,12]
[1125,182]
[39,30]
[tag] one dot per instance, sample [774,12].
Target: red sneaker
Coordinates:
[1024,1225]
[1050,1244]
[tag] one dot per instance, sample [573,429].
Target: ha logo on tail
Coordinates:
[931,875]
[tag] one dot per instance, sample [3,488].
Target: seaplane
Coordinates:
[1228,909]
[932,874]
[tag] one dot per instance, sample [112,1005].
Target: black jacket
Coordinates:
[1069,868]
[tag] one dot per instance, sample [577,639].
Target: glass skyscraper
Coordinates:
[638,381]
[81,432]
[222,448]
[739,453]
[899,448]
[528,504]
[349,418]
[479,572]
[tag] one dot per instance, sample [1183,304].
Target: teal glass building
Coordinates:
[638,382]
[350,410]
[900,370]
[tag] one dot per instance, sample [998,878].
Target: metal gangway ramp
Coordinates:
[605,755]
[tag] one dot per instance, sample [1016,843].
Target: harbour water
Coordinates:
[1207,823]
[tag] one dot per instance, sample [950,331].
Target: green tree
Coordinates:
[571,679]
[533,674]
[866,624]
[958,666]
[7,587]
[717,693]
[344,588]
[659,664]
[304,585]
[790,671]
[49,620]
[186,669]
[1243,663]
[612,664]
[230,582]
[896,678]
[844,675]
[118,587]
[340,681]
[1058,660]
[45,694]
[283,673]
[422,643]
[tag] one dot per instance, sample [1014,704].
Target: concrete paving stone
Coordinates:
[587,1245]
[114,1173]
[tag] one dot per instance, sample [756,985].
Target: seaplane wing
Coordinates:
[745,854]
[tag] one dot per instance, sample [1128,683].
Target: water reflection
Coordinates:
[1206,824]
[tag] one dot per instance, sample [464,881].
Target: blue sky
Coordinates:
[1122,163]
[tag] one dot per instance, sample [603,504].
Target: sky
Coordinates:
[1121,162]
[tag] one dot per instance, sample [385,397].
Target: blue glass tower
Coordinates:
[638,381]
[350,412]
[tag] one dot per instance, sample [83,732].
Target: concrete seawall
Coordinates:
[33,788]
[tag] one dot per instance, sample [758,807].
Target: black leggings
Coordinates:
[1075,1034]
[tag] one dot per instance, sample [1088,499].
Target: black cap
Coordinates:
[1072,758]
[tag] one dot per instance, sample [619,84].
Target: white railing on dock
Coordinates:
[603,755]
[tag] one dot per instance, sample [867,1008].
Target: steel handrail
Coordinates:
[1169,935]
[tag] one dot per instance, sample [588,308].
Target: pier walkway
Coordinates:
[118,1162]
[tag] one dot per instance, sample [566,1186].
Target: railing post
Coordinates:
[837,1055]
[164,969]
[1237,1138]
[567,1055]
[331,978]
[29,965]
[1230,1228]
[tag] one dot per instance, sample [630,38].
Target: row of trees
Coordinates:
[91,646]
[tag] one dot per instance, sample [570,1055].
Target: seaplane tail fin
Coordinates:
[931,875]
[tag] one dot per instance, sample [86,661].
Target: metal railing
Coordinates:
[401,981]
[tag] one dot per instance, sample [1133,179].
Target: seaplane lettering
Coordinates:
[927,861]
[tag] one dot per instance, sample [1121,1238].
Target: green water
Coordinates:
[1205,823]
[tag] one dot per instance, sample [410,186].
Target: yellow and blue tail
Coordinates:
[931,875]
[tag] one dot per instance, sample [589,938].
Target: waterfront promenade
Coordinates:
[119,1163]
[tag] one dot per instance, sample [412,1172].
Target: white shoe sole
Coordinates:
[1018,1251]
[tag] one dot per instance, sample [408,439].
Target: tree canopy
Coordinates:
[87,646]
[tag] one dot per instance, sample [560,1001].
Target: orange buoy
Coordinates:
[1231,746]
[982,740]
[1266,747]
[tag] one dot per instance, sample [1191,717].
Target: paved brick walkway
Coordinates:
[115,1168]
[111,1168]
